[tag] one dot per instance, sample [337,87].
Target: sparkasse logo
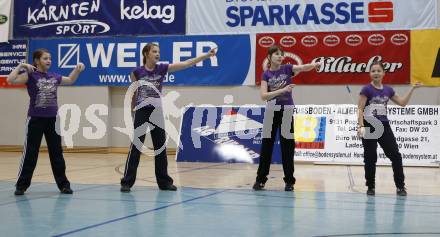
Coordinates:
[325,13]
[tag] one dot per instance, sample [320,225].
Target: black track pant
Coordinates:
[389,145]
[273,127]
[156,123]
[35,128]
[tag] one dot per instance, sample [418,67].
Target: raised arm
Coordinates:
[191,62]
[17,77]
[73,75]
[306,67]
[403,101]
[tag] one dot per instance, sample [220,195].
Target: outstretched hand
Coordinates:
[28,67]
[318,65]
[213,52]
[289,87]
[80,67]
[418,85]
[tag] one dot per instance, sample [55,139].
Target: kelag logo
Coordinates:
[94,17]
[166,14]
[326,13]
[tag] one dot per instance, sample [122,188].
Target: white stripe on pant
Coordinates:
[24,147]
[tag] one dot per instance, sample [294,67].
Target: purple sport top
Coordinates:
[42,88]
[279,79]
[149,95]
[377,101]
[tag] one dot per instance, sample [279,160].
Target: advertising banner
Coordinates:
[323,133]
[109,61]
[52,18]
[346,56]
[425,57]
[231,16]
[5,9]
[12,53]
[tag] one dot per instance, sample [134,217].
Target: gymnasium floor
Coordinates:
[215,200]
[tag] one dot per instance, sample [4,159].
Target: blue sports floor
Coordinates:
[101,210]
[215,199]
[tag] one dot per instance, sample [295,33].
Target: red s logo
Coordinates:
[379,12]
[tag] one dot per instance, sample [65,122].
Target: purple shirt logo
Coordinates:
[42,89]
[279,79]
[148,94]
[377,101]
